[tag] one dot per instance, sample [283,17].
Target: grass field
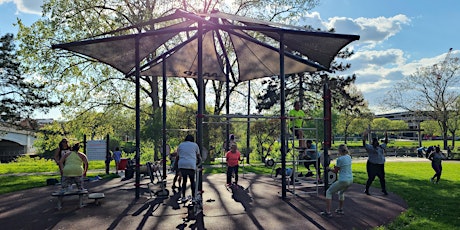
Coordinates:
[431,206]
[29,172]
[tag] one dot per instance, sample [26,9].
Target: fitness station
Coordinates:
[152,53]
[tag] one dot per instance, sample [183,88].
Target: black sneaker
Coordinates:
[385,192]
[326,214]
[367,192]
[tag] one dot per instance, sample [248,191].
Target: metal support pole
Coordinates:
[108,156]
[138,120]
[248,124]
[283,118]
[164,118]
[227,108]
[199,128]
[327,104]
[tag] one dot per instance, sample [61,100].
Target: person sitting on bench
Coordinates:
[312,154]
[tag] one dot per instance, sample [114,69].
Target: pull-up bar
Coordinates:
[180,130]
[396,130]
[243,116]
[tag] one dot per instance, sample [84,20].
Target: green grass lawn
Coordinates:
[29,172]
[431,206]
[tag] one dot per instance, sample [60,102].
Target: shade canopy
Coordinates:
[215,46]
[234,46]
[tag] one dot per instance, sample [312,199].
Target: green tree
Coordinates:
[20,95]
[307,88]
[351,111]
[381,124]
[398,124]
[430,128]
[359,125]
[265,134]
[429,92]
[453,123]
[49,136]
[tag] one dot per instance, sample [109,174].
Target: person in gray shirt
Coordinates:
[189,155]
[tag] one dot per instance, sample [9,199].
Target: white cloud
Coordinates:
[312,19]
[26,6]
[372,31]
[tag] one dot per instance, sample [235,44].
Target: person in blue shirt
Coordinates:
[345,179]
[420,151]
[117,158]
[375,165]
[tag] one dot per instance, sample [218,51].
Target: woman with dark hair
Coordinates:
[233,157]
[436,158]
[375,165]
[62,150]
[74,166]
[189,154]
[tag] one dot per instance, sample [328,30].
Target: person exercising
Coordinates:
[375,165]
[296,123]
[313,156]
[233,157]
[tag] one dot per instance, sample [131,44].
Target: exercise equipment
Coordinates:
[61,194]
[96,197]
[154,171]
[195,207]
[332,177]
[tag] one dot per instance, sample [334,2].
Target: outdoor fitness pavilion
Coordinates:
[203,55]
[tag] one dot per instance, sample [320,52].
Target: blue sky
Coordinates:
[397,36]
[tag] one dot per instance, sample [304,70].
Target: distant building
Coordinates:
[413,120]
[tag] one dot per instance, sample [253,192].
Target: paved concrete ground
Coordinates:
[255,205]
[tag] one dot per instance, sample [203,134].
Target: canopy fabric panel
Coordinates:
[119,51]
[256,61]
[321,47]
[184,61]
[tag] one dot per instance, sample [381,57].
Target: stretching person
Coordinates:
[436,158]
[375,165]
[314,156]
[345,179]
[233,156]
[296,123]
[189,155]
[74,166]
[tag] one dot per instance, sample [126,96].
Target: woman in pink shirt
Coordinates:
[233,156]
